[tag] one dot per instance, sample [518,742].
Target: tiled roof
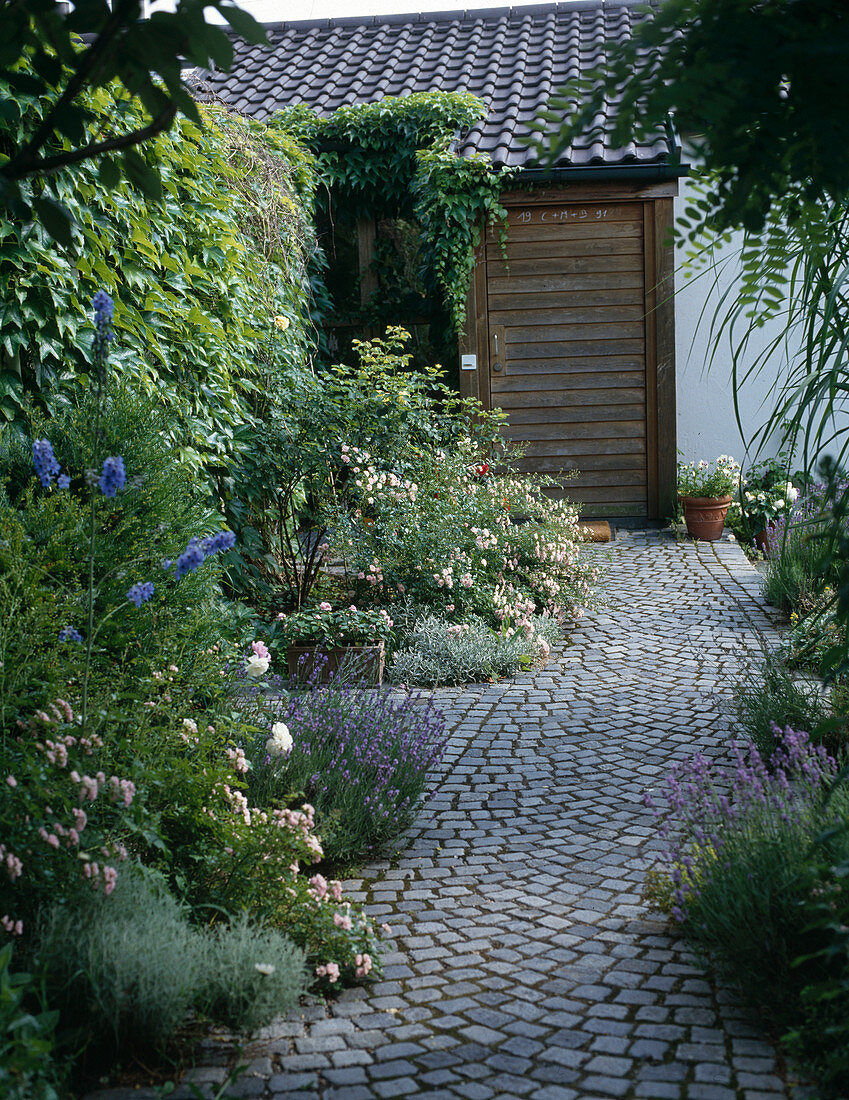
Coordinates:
[512,58]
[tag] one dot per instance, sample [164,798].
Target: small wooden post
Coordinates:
[366,235]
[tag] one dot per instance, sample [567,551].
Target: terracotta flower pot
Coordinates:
[761,539]
[705,516]
[366,662]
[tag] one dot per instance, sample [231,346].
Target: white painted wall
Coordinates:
[707,426]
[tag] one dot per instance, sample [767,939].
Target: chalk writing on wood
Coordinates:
[563,214]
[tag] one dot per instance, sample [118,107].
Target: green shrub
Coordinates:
[44,545]
[814,630]
[210,280]
[464,541]
[801,559]
[790,579]
[434,651]
[287,488]
[63,819]
[820,1038]
[123,970]
[27,1068]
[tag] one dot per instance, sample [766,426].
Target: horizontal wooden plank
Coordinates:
[597,231]
[601,296]
[634,495]
[566,414]
[567,448]
[573,418]
[608,315]
[577,364]
[542,250]
[596,510]
[555,397]
[600,464]
[629,482]
[545,258]
[579,235]
[582,428]
[606,330]
[576,283]
[605,384]
[559,346]
[559,418]
[629,419]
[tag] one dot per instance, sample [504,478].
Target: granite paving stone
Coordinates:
[523,962]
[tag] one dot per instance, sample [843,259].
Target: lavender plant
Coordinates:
[737,849]
[361,755]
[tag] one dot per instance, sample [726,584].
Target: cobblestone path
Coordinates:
[524,963]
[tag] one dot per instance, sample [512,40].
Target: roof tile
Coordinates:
[512,58]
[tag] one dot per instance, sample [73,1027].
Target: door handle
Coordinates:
[497,361]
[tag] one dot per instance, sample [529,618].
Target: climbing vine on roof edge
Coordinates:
[395,158]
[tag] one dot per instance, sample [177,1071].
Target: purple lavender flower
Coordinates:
[140,593]
[349,734]
[707,803]
[113,476]
[45,462]
[70,634]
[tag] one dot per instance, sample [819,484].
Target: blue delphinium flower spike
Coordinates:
[113,476]
[140,593]
[44,460]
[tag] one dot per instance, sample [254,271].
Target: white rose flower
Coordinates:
[791,492]
[280,740]
[256,667]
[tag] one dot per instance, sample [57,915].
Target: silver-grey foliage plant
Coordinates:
[438,652]
[133,965]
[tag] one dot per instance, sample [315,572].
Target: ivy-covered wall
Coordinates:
[392,162]
[210,282]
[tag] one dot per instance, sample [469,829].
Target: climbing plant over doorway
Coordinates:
[394,159]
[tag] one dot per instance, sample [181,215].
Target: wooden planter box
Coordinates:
[365,662]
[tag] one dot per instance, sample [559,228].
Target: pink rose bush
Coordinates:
[62,817]
[462,545]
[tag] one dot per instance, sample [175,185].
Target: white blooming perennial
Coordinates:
[280,742]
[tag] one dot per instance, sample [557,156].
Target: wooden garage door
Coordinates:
[566,320]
